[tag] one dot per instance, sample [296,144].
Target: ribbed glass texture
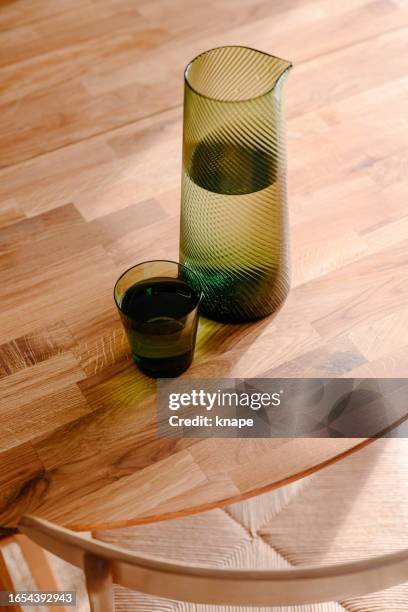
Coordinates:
[234,228]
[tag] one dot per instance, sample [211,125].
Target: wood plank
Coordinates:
[317,256]
[10,212]
[60,30]
[35,347]
[45,226]
[54,66]
[39,380]
[356,67]
[346,302]
[392,365]
[27,420]
[340,357]
[380,288]
[19,463]
[160,240]
[111,228]
[21,471]
[13,14]
[177,474]
[349,147]
[47,299]
[383,336]
[104,350]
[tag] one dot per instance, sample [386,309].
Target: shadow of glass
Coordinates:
[220,345]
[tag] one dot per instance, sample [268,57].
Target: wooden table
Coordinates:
[90,145]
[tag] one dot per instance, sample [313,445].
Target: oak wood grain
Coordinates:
[90,154]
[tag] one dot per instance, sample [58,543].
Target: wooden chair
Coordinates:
[104,565]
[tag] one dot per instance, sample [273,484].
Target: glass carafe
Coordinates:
[234,224]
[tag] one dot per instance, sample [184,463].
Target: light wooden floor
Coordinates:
[90,144]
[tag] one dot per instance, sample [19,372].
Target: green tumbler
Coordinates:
[234,221]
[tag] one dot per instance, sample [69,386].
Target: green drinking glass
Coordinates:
[234,221]
[158,303]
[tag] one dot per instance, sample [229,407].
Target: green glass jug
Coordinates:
[234,223]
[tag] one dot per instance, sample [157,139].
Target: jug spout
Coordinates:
[279,70]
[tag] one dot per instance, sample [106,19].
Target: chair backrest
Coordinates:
[105,564]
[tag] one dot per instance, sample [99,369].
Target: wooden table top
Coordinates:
[90,145]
